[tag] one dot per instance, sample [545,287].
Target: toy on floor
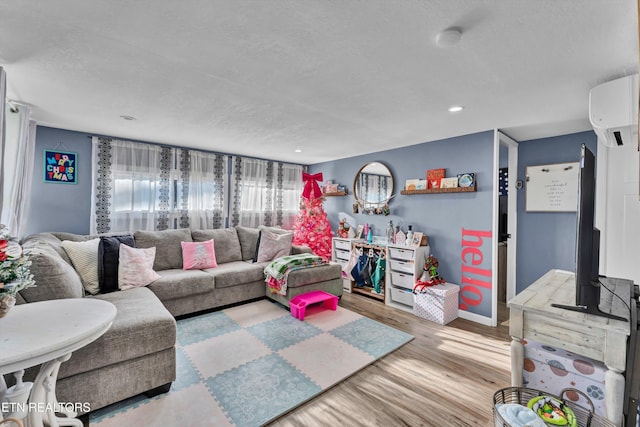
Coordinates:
[430,275]
[553,411]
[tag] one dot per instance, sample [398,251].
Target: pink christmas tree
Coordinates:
[312,228]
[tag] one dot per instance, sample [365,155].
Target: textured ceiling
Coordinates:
[335,78]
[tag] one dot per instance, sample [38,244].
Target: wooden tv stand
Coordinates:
[532,317]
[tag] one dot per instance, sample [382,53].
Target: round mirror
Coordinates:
[373,185]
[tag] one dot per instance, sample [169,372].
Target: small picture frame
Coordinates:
[359,231]
[449,182]
[416,239]
[411,184]
[466,179]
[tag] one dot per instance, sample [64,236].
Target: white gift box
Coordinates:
[552,369]
[437,303]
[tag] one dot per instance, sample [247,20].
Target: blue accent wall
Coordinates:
[439,216]
[61,207]
[546,240]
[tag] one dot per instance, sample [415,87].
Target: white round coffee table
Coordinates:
[47,333]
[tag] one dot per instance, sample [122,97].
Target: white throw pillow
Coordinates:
[136,267]
[84,257]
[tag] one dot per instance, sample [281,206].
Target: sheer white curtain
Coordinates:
[3,94]
[17,169]
[290,193]
[131,184]
[265,192]
[206,187]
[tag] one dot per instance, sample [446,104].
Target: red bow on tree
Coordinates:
[311,185]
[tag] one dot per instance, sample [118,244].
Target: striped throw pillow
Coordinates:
[84,257]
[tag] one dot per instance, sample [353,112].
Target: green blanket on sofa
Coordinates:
[278,270]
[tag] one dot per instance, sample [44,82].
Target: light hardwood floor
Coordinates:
[446,376]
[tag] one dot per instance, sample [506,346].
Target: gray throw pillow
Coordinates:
[248,241]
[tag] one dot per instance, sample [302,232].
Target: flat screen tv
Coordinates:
[587,242]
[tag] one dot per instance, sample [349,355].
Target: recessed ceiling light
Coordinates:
[456,108]
[129,118]
[297,150]
[448,37]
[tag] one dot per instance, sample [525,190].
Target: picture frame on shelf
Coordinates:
[416,239]
[449,182]
[411,184]
[434,176]
[466,179]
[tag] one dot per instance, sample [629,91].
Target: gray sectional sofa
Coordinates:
[137,354]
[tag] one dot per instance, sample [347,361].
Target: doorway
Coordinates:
[505,224]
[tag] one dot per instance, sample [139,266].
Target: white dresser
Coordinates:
[404,268]
[340,252]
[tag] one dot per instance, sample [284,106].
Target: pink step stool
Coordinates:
[298,304]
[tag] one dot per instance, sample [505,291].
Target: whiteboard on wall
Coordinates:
[552,188]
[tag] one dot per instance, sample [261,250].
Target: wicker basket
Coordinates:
[522,395]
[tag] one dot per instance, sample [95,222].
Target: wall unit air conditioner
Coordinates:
[613,111]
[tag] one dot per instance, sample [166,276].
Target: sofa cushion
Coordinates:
[179,283]
[236,273]
[248,238]
[84,257]
[49,240]
[72,236]
[167,243]
[55,277]
[225,242]
[109,260]
[135,268]
[142,326]
[307,276]
[300,249]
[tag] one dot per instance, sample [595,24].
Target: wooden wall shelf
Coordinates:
[441,190]
[337,193]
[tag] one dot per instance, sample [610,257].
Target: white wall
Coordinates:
[618,210]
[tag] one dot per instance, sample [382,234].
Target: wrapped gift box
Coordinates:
[552,370]
[438,303]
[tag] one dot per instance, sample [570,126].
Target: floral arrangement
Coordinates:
[15,274]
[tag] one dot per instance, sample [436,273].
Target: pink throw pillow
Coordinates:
[198,255]
[136,267]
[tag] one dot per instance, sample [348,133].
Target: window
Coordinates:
[265,192]
[140,186]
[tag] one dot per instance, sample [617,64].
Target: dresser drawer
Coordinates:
[402,280]
[342,255]
[402,296]
[345,245]
[401,266]
[402,254]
